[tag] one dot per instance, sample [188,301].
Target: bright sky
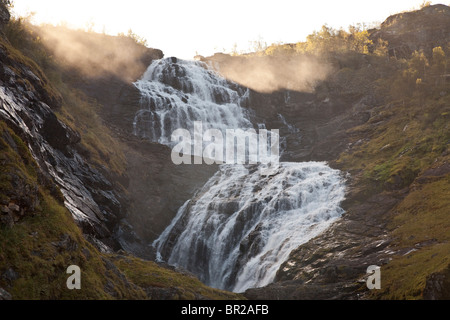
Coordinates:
[183,28]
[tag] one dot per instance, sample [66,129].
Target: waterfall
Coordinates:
[241,226]
[243,223]
[176,93]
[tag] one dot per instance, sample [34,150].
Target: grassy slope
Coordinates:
[27,246]
[405,140]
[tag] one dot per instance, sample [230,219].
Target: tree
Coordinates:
[361,41]
[136,38]
[439,61]
[381,48]
[258,45]
[419,63]
[425,4]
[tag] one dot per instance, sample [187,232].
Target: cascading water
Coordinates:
[176,93]
[239,228]
[242,225]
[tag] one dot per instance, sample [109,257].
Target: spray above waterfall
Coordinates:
[243,223]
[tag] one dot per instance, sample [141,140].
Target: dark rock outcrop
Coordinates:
[416,30]
[438,286]
[91,198]
[5,295]
[58,161]
[4,15]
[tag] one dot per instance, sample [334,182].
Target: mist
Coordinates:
[267,74]
[96,55]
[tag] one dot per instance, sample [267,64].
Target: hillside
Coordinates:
[383,117]
[79,184]
[63,179]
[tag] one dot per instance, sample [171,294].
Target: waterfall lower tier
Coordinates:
[242,225]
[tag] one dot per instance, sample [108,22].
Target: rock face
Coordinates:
[438,286]
[27,105]
[4,15]
[87,193]
[417,30]
[156,188]
[319,126]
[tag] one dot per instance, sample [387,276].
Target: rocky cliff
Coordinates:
[415,30]
[65,184]
[396,152]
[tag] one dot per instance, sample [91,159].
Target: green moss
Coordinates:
[149,274]
[420,227]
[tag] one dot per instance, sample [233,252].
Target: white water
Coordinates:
[242,225]
[175,94]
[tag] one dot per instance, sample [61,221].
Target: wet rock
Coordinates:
[88,195]
[56,133]
[5,295]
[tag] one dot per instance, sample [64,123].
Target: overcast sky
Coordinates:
[183,28]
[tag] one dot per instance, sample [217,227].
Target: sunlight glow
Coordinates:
[184,28]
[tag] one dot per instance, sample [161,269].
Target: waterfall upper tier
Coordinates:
[175,93]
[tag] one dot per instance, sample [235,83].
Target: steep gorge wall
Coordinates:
[357,126]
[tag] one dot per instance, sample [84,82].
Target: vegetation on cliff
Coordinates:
[402,151]
[39,238]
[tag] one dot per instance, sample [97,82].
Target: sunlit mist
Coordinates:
[186,28]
